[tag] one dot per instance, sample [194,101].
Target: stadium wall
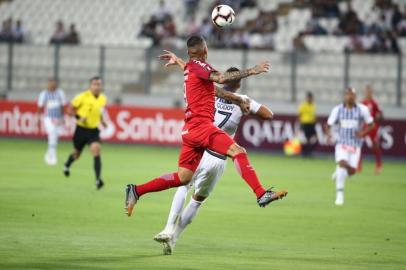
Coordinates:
[162,126]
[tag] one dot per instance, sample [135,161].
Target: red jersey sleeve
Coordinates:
[201,69]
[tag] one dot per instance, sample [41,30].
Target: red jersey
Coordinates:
[372,106]
[199,91]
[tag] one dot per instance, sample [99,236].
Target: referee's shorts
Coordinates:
[309,130]
[83,136]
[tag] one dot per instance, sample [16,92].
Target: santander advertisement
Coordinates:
[163,126]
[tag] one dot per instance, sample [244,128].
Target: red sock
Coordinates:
[247,172]
[359,168]
[378,157]
[163,182]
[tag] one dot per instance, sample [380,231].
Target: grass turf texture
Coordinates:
[50,222]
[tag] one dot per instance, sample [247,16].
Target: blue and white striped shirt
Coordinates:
[349,121]
[52,103]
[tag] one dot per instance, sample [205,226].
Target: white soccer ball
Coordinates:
[223,16]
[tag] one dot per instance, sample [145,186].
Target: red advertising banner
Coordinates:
[128,124]
[125,124]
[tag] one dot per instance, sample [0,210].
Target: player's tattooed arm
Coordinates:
[233,98]
[172,59]
[219,77]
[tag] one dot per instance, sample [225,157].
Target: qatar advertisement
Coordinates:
[159,126]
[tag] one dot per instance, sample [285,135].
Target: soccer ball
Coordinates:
[292,147]
[223,16]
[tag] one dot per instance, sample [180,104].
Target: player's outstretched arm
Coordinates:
[172,59]
[233,98]
[221,78]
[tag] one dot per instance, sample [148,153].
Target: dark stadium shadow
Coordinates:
[93,262]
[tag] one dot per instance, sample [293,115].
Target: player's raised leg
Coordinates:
[189,159]
[222,143]
[247,172]
[163,182]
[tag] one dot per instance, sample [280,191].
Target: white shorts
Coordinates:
[350,154]
[52,126]
[208,173]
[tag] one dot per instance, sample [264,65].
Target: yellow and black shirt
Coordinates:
[89,107]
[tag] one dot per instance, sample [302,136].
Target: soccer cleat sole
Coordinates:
[167,250]
[130,201]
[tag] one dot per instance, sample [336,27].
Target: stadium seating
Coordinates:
[116,24]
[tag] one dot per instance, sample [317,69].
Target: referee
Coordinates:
[307,119]
[88,108]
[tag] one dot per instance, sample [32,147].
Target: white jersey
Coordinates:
[212,165]
[52,103]
[228,115]
[350,121]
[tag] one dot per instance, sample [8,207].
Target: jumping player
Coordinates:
[354,123]
[210,169]
[88,108]
[199,133]
[373,135]
[51,104]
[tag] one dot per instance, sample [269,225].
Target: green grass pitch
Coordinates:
[50,222]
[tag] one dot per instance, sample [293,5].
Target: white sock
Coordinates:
[186,218]
[52,142]
[334,175]
[340,182]
[176,208]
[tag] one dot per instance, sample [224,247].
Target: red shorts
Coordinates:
[198,136]
[374,133]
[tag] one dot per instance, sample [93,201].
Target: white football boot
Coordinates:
[339,199]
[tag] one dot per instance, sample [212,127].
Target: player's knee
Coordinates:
[199,198]
[76,154]
[185,180]
[95,149]
[235,149]
[185,176]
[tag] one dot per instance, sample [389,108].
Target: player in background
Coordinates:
[199,133]
[373,135]
[354,122]
[307,119]
[51,102]
[88,108]
[210,169]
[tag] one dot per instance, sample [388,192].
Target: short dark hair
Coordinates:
[309,94]
[94,78]
[231,69]
[194,41]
